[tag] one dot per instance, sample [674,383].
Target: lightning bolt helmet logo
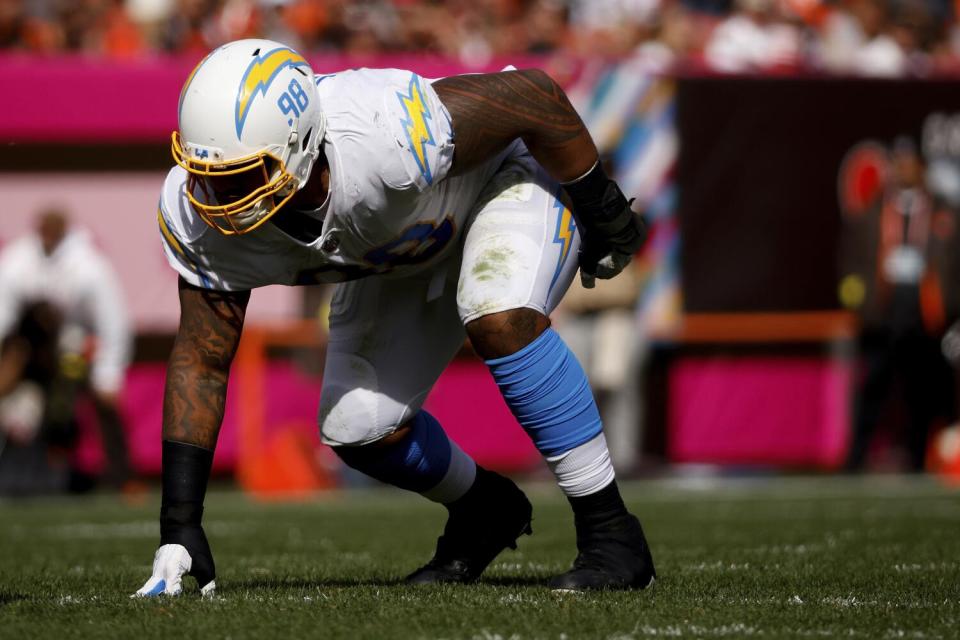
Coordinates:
[250,130]
[258,77]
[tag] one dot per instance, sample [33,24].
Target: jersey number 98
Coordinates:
[293,101]
[418,243]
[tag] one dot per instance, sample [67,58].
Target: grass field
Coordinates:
[774,558]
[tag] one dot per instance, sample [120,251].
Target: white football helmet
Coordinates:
[250,131]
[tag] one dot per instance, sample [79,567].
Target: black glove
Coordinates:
[610,232]
[186,469]
[179,524]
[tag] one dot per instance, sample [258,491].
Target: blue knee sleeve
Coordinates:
[416,463]
[547,391]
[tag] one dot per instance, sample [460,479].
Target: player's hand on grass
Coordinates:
[170,564]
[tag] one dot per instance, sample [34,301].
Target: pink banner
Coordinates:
[759,410]
[465,400]
[120,211]
[76,99]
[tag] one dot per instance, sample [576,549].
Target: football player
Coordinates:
[439,207]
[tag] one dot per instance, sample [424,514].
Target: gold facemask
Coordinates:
[237,186]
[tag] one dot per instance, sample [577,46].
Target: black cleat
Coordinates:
[613,557]
[489,519]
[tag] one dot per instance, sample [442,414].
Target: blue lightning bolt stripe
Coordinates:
[563,235]
[416,126]
[257,78]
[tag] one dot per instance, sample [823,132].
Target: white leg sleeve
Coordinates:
[584,469]
[457,481]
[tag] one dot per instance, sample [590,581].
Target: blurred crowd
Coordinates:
[865,37]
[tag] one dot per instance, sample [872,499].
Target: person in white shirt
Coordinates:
[752,39]
[59,266]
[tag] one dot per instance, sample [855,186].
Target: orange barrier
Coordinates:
[807,326]
[287,463]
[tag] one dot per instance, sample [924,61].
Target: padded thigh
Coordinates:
[390,340]
[521,246]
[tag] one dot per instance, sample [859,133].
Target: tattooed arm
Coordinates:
[196,389]
[491,110]
[193,403]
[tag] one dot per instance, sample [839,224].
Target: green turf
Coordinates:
[795,558]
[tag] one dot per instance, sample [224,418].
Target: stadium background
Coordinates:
[729,121]
[765,139]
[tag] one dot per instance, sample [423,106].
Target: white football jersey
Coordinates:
[392,208]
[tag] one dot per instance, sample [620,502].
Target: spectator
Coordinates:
[901,246]
[754,38]
[117,35]
[59,268]
[868,37]
[546,26]
[857,40]
[191,27]
[19,30]
[671,41]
